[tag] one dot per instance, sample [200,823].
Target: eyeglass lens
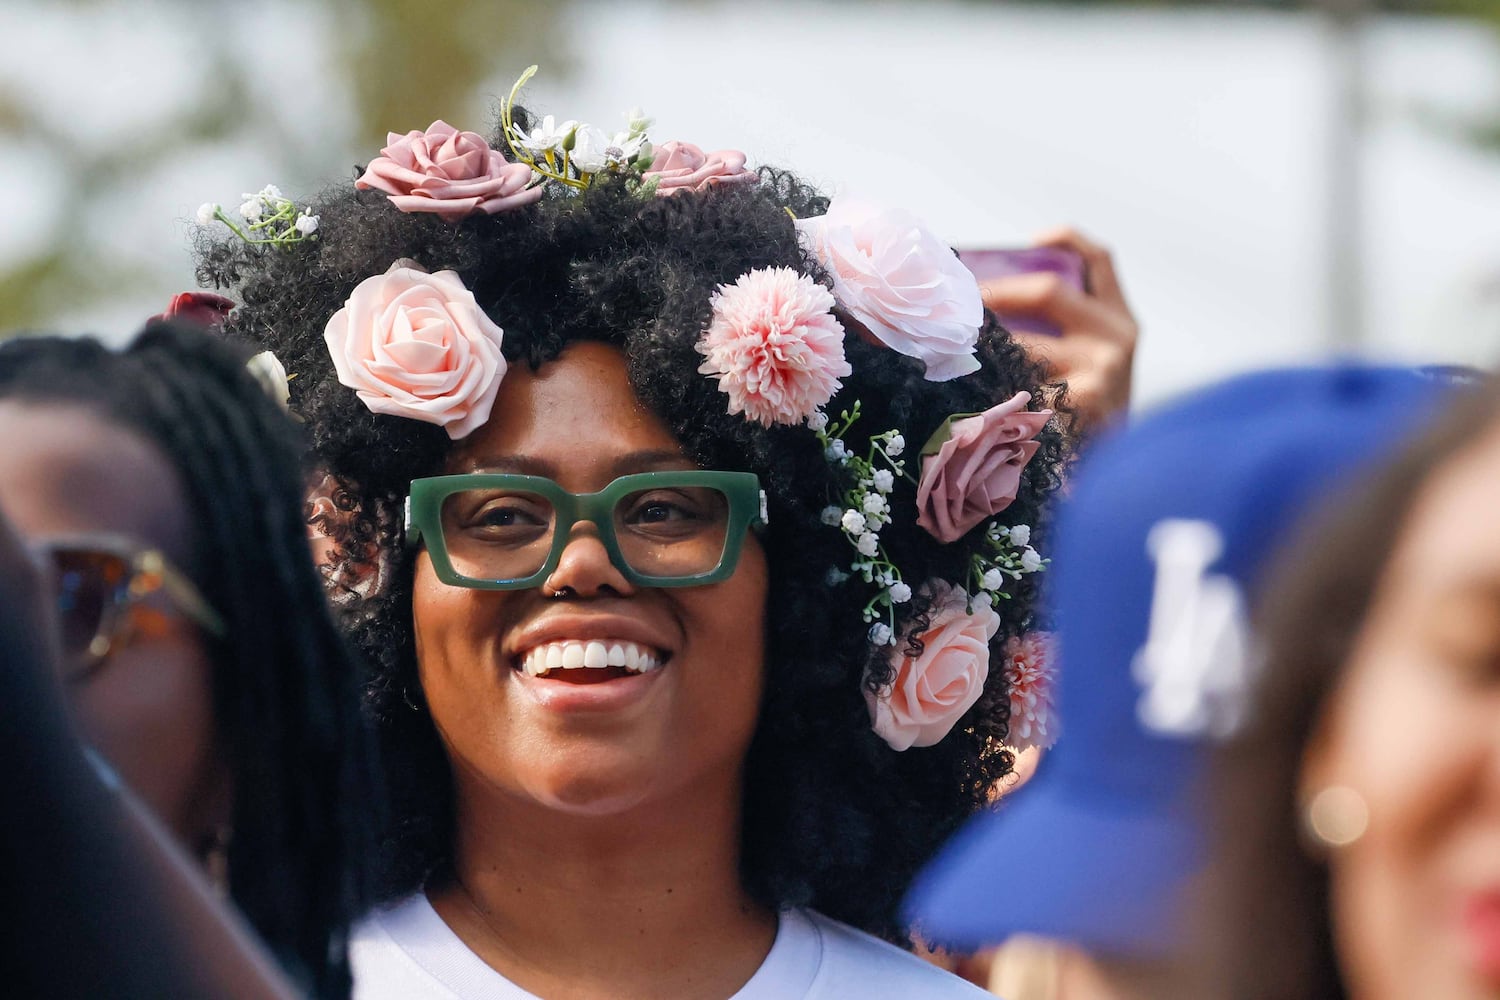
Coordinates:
[505,534]
[90,587]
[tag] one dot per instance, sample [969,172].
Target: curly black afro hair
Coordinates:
[834,818]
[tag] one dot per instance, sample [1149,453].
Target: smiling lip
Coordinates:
[587,662]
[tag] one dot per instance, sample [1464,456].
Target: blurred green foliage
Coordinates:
[384,49]
[383,52]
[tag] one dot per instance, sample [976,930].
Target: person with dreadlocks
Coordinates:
[163,486]
[688,517]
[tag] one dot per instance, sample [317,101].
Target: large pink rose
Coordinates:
[902,283]
[931,692]
[451,173]
[681,166]
[976,472]
[417,345]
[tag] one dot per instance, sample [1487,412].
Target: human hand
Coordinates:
[1095,353]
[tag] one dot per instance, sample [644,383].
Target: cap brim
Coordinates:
[1042,864]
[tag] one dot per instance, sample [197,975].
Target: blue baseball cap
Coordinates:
[1167,527]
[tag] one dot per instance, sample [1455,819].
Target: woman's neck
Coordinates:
[644,903]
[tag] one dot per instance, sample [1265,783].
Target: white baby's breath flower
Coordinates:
[268,194]
[307,224]
[251,210]
[900,593]
[1020,534]
[875,504]
[885,578]
[895,446]
[1031,560]
[206,213]
[853,522]
[831,515]
[993,579]
[868,544]
[880,634]
[837,451]
[818,421]
[884,480]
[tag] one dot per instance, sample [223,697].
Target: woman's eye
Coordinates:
[498,516]
[658,511]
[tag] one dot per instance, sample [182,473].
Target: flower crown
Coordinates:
[417,345]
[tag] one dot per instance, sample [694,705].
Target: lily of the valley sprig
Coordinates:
[266,219]
[864,509]
[574,153]
[1007,555]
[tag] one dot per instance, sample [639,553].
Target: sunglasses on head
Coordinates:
[100,588]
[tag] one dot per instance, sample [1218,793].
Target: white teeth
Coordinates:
[593,654]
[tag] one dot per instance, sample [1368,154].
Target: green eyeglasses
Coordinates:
[496,531]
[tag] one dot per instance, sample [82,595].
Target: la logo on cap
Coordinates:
[1193,668]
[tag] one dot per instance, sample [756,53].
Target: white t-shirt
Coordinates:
[407,952]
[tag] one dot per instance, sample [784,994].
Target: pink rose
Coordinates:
[900,282]
[417,345]
[681,166]
[975,473]
[203,308]
[930,693]
[774,346]
[451,173]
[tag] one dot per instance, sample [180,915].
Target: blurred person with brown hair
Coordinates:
[1360,807]
[1087,871]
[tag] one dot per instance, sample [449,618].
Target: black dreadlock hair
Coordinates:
[285,682]
[833,818]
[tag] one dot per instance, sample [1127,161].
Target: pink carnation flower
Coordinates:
[1031,677]
[449,173]
[682,166]
[774,346]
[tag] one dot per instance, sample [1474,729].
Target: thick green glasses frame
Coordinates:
[424,520]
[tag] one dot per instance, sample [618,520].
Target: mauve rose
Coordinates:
[931,692]
[976,472]
[203,308]
[417,345]
[682,166]
[449,173]
[899,281]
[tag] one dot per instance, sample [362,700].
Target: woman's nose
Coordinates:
[585,567]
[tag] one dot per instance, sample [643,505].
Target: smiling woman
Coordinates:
[661,711]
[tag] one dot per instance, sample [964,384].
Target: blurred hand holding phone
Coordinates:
[988,265]
[1061,300]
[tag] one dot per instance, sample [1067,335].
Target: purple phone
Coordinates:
[987,264]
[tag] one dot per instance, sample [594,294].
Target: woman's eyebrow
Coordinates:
[649,460]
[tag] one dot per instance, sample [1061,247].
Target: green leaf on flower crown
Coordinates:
[943,433]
